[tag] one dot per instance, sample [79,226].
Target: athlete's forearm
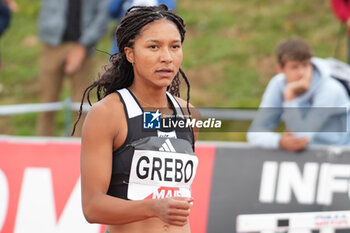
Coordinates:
[105,209]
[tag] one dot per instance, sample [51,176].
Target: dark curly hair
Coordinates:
[119,72]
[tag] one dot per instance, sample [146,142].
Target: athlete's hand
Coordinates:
[292,143]
[174,211]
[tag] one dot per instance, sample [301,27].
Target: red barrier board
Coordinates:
[201,189]
[40,187]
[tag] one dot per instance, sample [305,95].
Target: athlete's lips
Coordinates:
[165,72]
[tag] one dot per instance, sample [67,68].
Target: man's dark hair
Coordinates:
[293,49]
[119,72]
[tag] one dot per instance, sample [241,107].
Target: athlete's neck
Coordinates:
[150,97]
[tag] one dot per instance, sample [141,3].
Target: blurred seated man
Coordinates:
[311,104]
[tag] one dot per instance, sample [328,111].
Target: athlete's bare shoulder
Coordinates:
[109,105]
[193,114]
[106,114]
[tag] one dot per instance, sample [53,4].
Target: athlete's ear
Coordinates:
[129,53]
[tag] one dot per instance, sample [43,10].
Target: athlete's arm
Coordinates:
[102,132]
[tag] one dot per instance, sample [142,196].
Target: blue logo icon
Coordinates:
[151,120]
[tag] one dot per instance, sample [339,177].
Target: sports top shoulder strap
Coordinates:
[132,107]
[178,109]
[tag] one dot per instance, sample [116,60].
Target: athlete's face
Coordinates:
[157,54]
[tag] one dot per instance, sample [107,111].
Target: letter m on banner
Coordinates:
[44,187]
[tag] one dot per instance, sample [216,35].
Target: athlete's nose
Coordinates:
[166,56]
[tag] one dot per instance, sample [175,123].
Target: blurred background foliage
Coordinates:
[228,53]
